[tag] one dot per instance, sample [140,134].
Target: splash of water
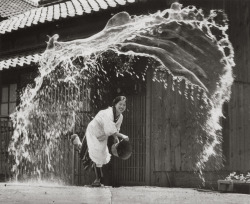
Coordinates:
[181,42]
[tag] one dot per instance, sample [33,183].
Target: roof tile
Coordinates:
[31,17]
[24,20]
[19,60]
[111,3]
[50,13]
[13,22]
[17,23]
[33,2]
[63,12]
[11,25]
[10,8]
[121,2]
[94,5]
[37,15]
[43,15]
[71,9]
[102,4]
[55,12]
[85,6]
[78,7]
[3,24]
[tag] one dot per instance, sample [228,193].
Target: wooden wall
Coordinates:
[5,135]
[236,131]
[239,128]
[0,85]
[169,138]
[239,106]
[174,130]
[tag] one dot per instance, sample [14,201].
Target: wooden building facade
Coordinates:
[236,133]
[156,118]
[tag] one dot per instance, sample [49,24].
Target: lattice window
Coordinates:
[8,99]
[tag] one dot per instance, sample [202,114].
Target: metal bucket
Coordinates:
[122,149]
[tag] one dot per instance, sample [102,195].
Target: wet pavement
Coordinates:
[37,193]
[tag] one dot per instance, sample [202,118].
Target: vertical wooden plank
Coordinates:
[173,124]
[140,137]
[189,133]
[243,111]
[178,128]
[181,127]
[247,127]
[135,125]
[157,126]
[73,163]
[225,134]
[236,136]
[148,127]
[134,140]
[235,115]
[247,28]
[153,154]
[2,140]
[137,133]
[140,141]
[241,127]
[144,137]
[166,120]
[238,133]
[184,139]
[1,132]
[233,130]
[244,11]
[231,124]
[230,132]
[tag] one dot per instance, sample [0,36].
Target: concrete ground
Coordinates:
[42,193]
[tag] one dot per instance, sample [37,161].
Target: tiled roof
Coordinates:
[19,60]
[33,2]
[54,12]
[10,8]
